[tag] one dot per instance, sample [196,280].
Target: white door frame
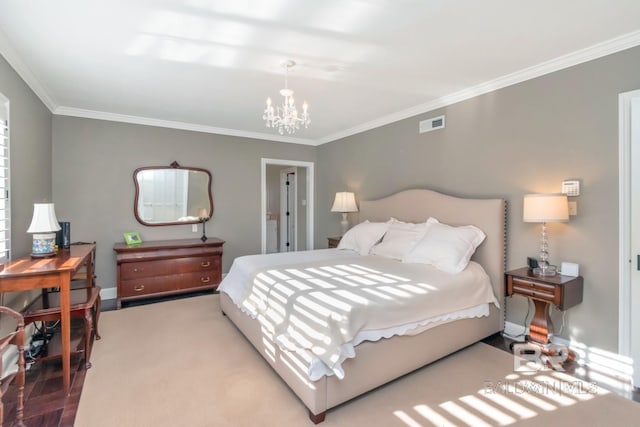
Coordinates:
[626,261]
[284,208]
[310,197]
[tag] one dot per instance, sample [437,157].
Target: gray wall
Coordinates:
[93,163]
[30,154]
[30,145]
[522,139]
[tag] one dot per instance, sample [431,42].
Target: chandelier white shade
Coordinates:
[285,118]
[344,202]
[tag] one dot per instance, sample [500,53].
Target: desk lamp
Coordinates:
[545,208]
[44,225]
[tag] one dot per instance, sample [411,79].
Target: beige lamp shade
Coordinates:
[344,202]
[545,208]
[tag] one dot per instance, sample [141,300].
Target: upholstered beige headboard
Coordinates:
[418,205]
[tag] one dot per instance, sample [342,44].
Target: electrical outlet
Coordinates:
[194,228]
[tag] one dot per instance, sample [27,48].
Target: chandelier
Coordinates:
[285,118]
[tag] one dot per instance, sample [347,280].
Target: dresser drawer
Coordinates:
[199,279]
[138,270]
[147,286]
[186,265]
[531,288]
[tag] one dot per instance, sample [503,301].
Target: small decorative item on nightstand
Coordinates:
[333,242]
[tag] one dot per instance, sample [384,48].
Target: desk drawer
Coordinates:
[531,288]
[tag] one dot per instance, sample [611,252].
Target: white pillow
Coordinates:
[363,236]
[399,239]
[445,247]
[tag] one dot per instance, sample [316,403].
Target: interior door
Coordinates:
[635,237]
[288,209]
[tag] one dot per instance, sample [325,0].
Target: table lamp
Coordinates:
[545,208]
[44,225]
[344,202]
[204,216]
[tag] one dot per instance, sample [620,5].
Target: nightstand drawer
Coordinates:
[534,289]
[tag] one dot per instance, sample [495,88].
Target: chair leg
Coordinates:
[21,380]
[97,317]
[88,328]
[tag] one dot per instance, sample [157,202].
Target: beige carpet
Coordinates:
[181,363]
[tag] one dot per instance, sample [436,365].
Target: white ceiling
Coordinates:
[209,65]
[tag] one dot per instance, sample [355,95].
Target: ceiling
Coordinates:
[209,65]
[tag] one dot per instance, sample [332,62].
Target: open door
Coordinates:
[296,198]
[629,152]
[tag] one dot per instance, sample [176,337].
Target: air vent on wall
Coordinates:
[432,124]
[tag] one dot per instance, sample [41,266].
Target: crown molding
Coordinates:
[114,117]
[574,58]
[12,57]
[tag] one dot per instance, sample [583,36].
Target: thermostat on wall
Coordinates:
[571,187]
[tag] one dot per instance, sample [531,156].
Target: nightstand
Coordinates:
[333,241]
[562,291]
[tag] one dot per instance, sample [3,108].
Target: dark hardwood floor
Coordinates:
[46,405]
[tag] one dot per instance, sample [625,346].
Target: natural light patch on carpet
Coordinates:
[517,397]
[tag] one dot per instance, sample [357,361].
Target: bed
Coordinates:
[380,361]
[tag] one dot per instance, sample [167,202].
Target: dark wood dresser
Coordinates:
[167,267]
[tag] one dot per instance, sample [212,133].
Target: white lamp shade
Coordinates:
[44,219]
[545,208]
[344,202]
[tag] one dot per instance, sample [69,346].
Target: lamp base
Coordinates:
[47,255]
[549,271]
[344,224]
[44,245]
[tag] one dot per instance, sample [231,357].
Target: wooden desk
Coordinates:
[28,273]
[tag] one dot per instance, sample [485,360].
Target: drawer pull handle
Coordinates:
[205,264]
[135,270]
[138,288]
[205,279]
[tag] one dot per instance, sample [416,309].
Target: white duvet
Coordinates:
[325,302]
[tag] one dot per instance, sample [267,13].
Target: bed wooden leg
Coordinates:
[317,418]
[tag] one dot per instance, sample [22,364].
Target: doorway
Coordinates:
[278,198]
[629,295]
[288,209]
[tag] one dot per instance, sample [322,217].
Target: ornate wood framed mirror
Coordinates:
[172,195]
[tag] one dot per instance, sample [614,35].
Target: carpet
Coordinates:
[181,363]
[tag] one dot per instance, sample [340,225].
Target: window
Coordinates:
[5,211]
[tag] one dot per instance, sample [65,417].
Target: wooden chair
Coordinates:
[14,338]
[85,302]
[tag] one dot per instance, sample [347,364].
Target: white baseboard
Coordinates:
[109,293]
[514,330]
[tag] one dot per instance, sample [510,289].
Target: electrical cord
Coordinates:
[526,322]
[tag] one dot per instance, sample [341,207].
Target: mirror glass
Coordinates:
[172,195]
